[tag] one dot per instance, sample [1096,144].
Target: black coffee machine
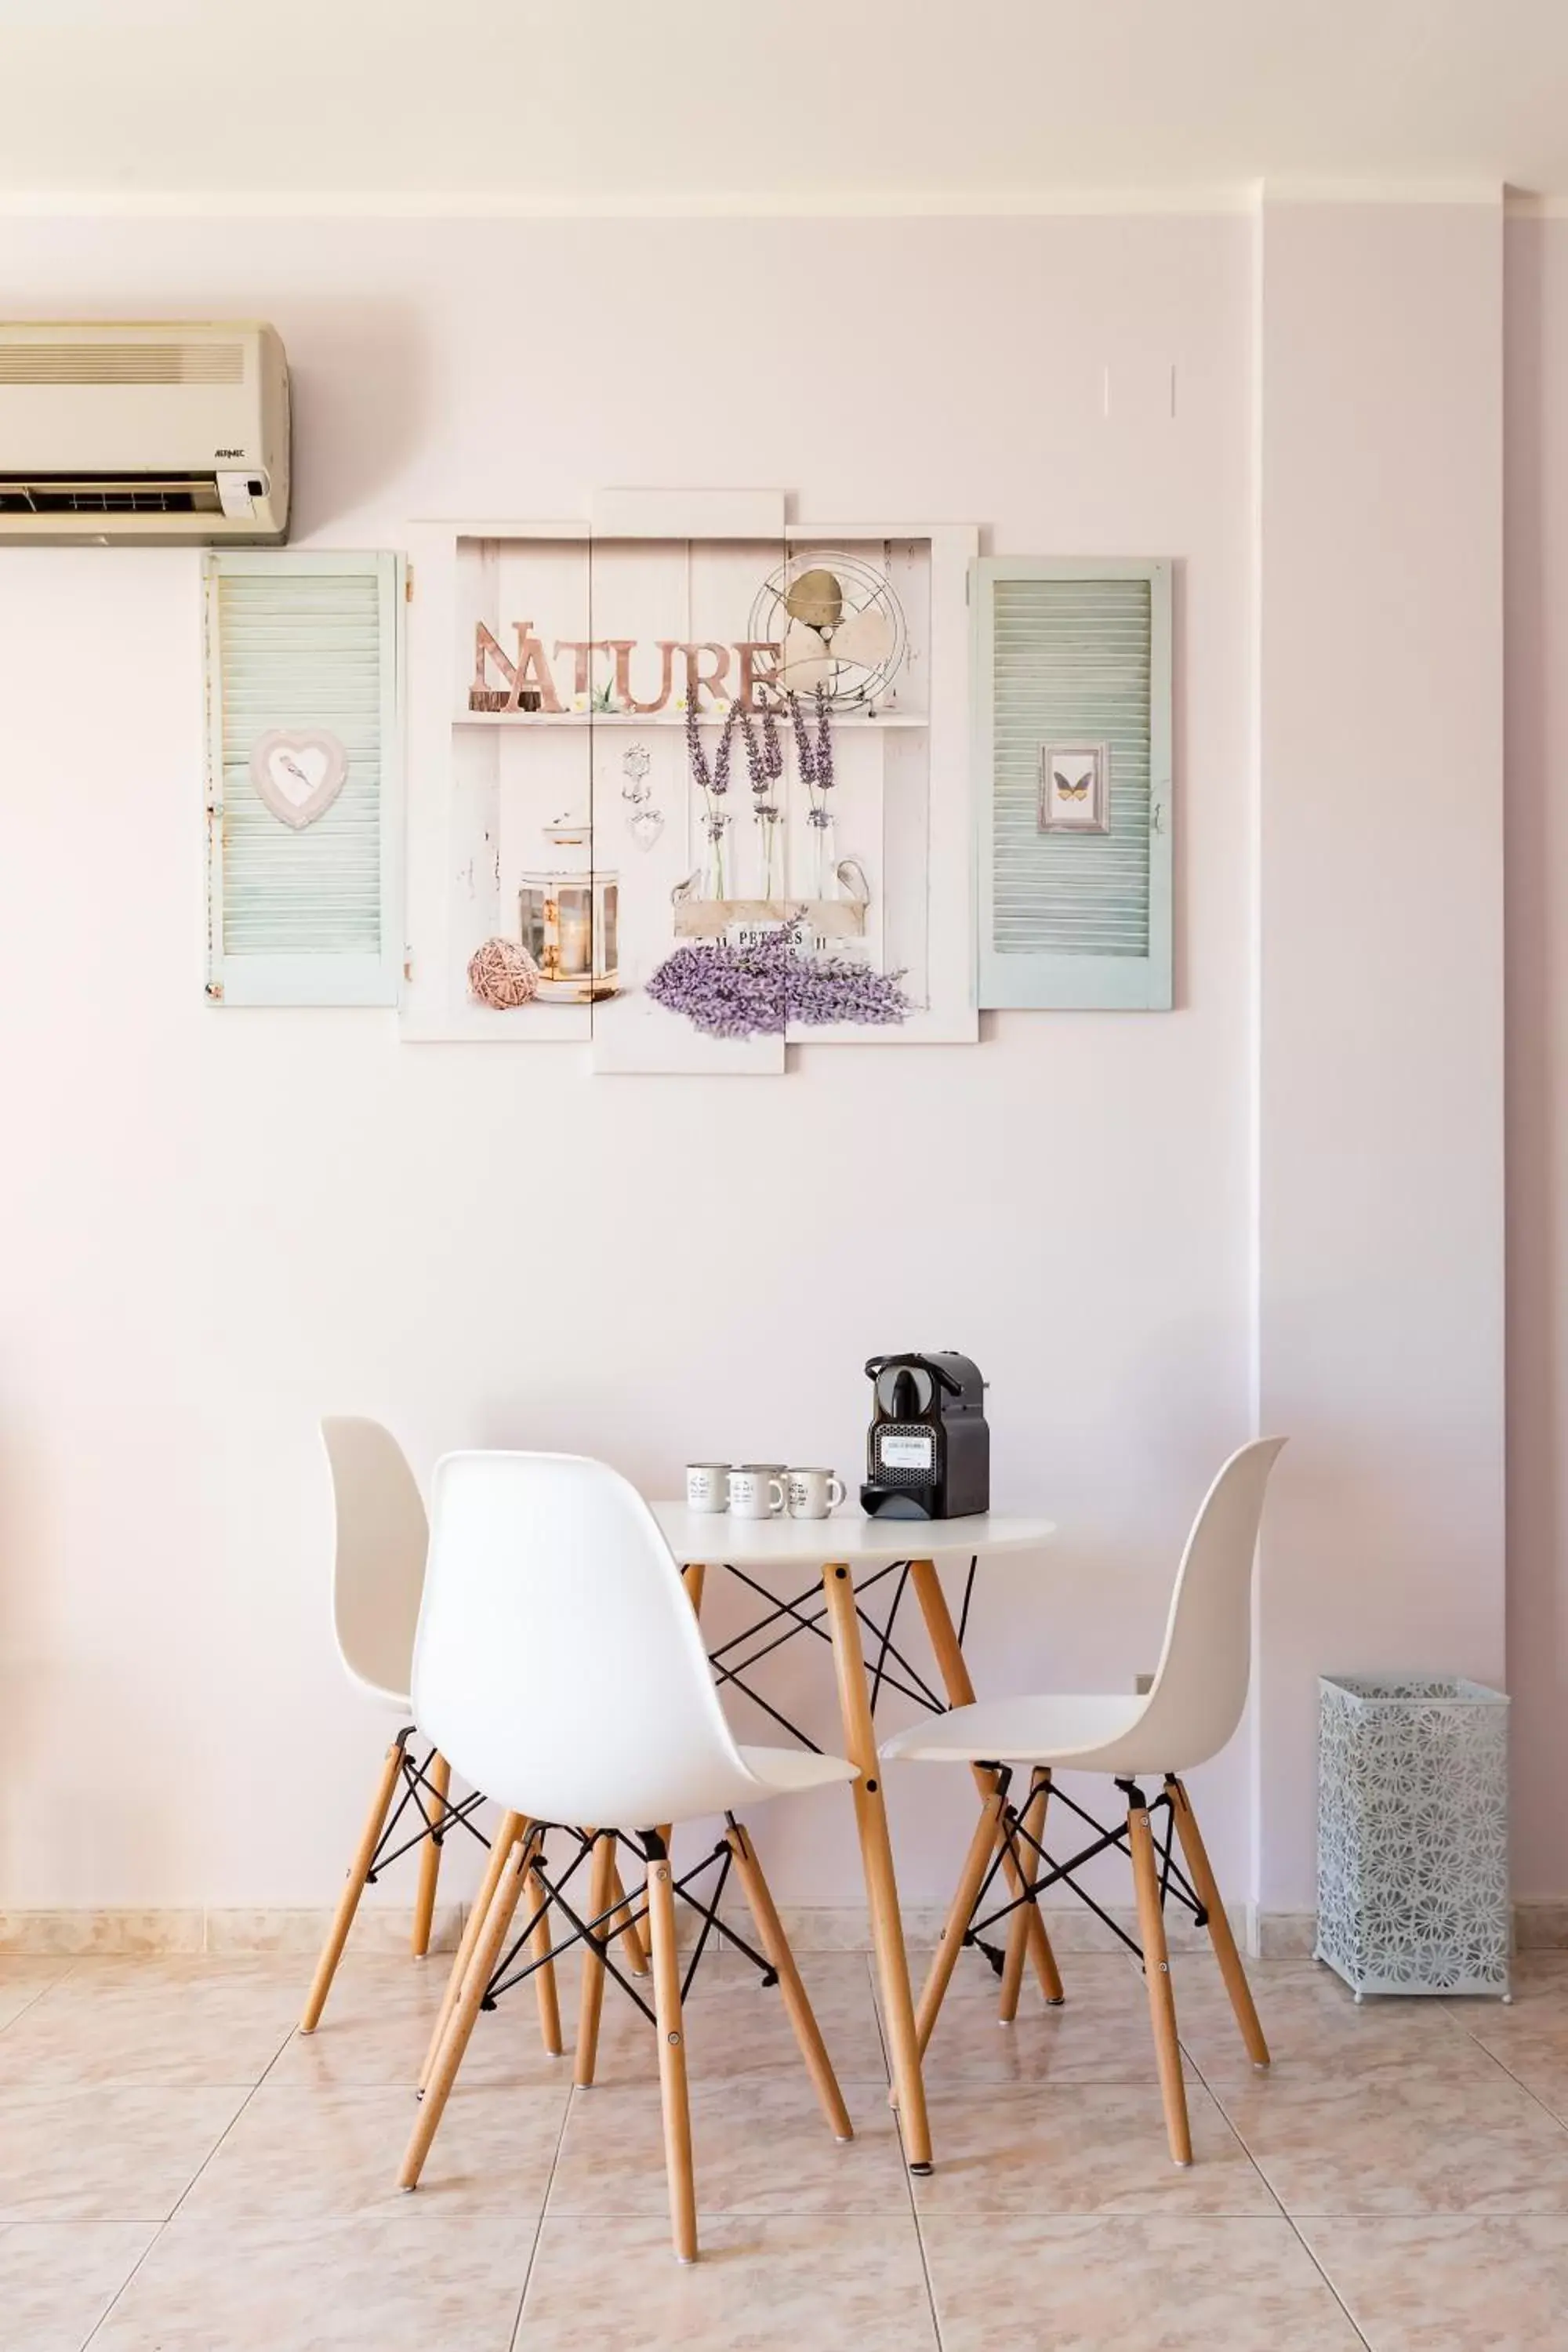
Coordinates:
[928,1450]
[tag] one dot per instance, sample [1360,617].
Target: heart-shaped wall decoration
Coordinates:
[298,772]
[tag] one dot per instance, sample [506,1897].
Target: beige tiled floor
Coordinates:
[179,2172]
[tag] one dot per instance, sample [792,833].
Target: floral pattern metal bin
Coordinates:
[1413,1892]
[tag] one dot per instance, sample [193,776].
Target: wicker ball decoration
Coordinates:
[503,975]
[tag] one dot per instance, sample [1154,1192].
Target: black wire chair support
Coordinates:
[603,1929]
[417,1786]
[1174,1880]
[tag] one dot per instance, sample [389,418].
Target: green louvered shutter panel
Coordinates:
[1073,653]
[303,679]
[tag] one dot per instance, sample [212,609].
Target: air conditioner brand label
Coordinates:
[915,1453]
[229,453]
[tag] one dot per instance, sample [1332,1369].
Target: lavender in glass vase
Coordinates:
[714,783]
[815,764]
[764,765]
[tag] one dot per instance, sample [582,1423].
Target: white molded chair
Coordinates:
[560,1665]
[1190,1709]
[378,1577]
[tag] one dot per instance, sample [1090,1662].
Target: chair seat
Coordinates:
[1089,1733]
[788,1770]
[633,1793]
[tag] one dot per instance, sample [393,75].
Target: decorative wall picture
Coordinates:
[1075,787]
[690,781]
[304,801]
[1072,767]
[298,772]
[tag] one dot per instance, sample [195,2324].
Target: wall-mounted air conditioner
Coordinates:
[172,435]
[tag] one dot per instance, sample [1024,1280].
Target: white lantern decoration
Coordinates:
[570,917]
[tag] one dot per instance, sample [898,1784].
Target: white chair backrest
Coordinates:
[559,1666]
[1200,1689]
[378,1572]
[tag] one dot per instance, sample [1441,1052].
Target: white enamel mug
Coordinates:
[757,1490]
[707,1486]
[812,1493]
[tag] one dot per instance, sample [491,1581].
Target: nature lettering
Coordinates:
[744,672]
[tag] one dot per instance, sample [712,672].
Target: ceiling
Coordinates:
[706,105]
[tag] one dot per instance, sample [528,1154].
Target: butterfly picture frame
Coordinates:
[1075,787]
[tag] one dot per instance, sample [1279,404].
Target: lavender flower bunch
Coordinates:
[815,758]
[714,783]
[754,991]
[765,761]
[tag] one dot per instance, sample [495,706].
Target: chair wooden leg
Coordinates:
[870,1804]
[944,1960]
[541,1952]
[1033,1824]
[592,2000]
[517,1868]
[671,2057]
[1224,1942]
[348,1901]
[954,1669]
[625,1929]
[1157,1971]
[473,1928]
[776,1944]
[440,1779]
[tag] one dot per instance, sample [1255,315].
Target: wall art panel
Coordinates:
[690,799]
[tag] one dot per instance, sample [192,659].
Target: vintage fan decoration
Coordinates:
[838,623]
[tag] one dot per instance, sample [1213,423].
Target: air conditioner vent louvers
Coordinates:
[107,363]
[127,494]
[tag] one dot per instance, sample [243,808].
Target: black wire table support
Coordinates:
[900,1677]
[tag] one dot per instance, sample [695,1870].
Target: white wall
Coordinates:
[1380,1201]
[218,1225]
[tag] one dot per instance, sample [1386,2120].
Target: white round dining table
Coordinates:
[846,1535]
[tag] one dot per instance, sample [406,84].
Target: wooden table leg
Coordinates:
[694,1575]
[440,1779]
[877,1856]
[955,1673]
